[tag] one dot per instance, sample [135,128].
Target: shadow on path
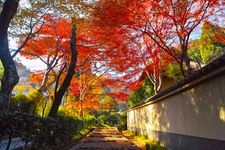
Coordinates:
[105,139]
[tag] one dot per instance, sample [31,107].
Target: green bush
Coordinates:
[173,71]
[23,104]
[33,103]
[150,144]
[122,122]
[43,133]
[41,102]
[110,118]
[154,146]
[142,93]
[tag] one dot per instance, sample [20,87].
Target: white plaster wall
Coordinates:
[198,111]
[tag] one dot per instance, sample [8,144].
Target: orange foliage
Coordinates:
[140,36]
[54,39]
[87,105]
[120,96]
[36,77]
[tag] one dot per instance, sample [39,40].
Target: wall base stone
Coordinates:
[174,141]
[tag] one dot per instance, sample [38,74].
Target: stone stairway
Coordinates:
[105,138]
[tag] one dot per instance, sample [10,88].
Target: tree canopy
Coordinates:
[103,53]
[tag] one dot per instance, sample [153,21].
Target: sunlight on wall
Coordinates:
[148,119]
[222,113]
[197,111]
[192,99]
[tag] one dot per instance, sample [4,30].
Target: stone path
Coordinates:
[105,139]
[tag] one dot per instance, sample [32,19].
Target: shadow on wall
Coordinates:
[150,118]
[204,109]
[191,119]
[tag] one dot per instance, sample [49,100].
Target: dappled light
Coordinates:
[104,66]
[197,110]
[222,113]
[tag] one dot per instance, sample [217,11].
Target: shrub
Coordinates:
[142,141]
[23,104]
[42,133]
[122,122]
[142,93]
[110,118]
[40,100]
[173,71]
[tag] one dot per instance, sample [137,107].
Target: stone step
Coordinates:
[105,139]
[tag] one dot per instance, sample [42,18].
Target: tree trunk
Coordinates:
[187,64]
[44,107]
[10,76]
[81,114]
[59,94]
[44,82]
[156,81]
[185,61]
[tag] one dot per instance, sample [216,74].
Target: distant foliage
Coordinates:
[39,99]
[118,120]
[24,104]
[210,45]
[141,93]
[173,71]
[136,97]
[211,42]
[148,88]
